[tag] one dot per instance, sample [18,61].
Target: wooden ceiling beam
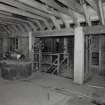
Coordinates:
[51,3]
[93,4]
[19,26]
[94,30]
[39,25]
[72,4]
[19,12]
[5,13]
[41,7]
[11,27]
[54,33]
[56,6]
[13,18]
[5,26]
[64,10]
[33,26]
[5,30]
[100,11]
[8,32]
[25,7]
[18,20]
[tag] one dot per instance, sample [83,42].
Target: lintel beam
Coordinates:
[89,30]
[54,33]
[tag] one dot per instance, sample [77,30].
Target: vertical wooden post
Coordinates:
[31,50]
[30,45]
[87,51]
[40,55]
[79,56]
[102,18]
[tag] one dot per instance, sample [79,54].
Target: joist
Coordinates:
[39,24]
[3,29]
[19,12]
[14,23]
[5,13]
[9,28]
[6,30]
[13,18]
[32,26]
[72,4]
[40,7]
[21,28]
[50,3]
[27,27]
[25,8]
[14,29]
[10,21]
[93,4]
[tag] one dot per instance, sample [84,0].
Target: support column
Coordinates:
[30,46]
[79,56]
[31,52]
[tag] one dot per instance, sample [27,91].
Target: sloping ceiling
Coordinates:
[41,15]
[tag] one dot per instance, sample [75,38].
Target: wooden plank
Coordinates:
[40,7]
[25,8]
[72,4]
[86,61]
[55,33]
[94,30]
[19,12]
[13,18]
[92,3]
[91,30]
[53,4]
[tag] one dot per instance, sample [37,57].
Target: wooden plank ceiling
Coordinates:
[43,15]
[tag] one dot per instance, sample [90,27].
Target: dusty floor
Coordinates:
[45,89]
